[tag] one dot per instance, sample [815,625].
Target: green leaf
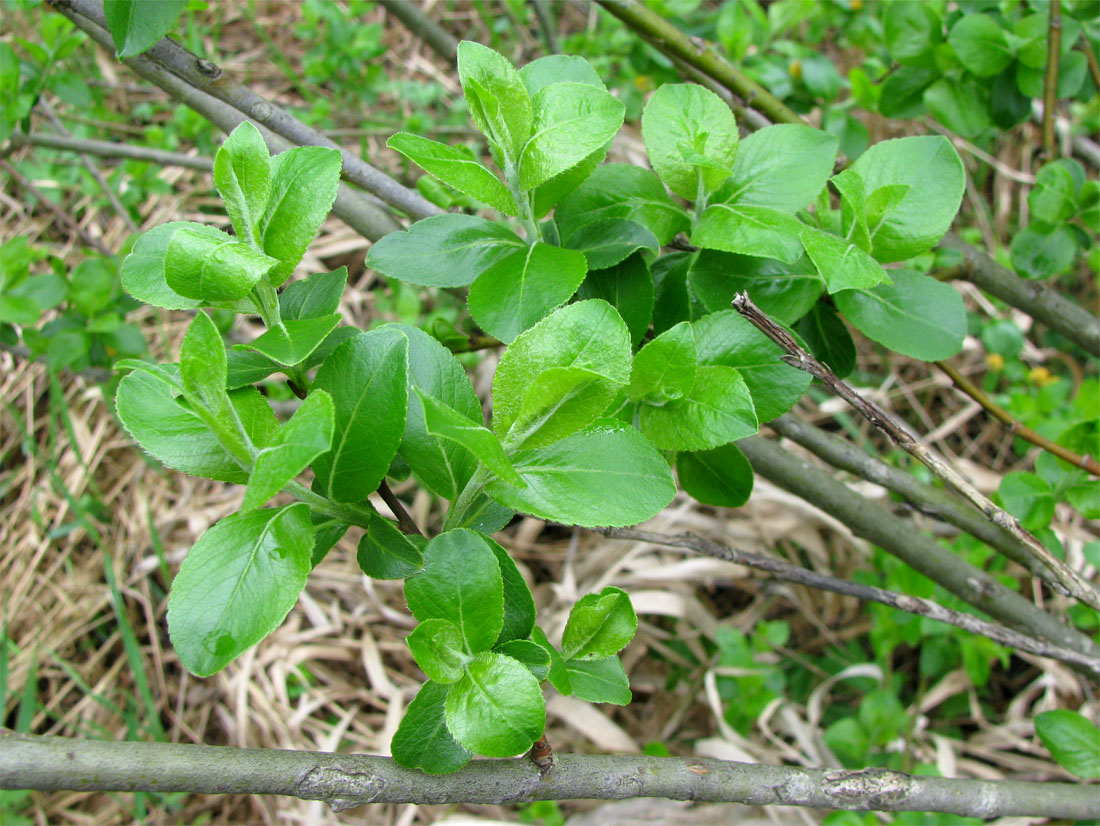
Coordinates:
[242,175]
[558,68]
[664,370]
[497,99]
[1053,199]
[828,339]
[719,409]
[609,241]
[245,368]
[559,677]
[519,603]
[444,251]
[143,273]
[461,582]
[1040,251]
[531,654]
[24,303]
[912,30]
[782,167]
[439,650]
[902,93]
[448,423]
[367,379]
[1027,497]
[783,291]
[560,401]
[588,335]
[1072,740]
[328,532]
[749,230]
[313,297]
[960,104]
[496,709]
[598,681]
[980,44]
[599,625]
[721,477]
[842,264]
[932,170]
[521,289]
[91,290]
[605,475]
[628,287]
[386,553]
[620,190]
[916,315]
[237,585]
[135,25]
[422,741]
[203,374]
[558,187]
[297,443]
[212,267]
[455,168]
[571,121]
[304,182]
[684,115]
[290,342]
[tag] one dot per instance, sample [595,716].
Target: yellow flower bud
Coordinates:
[795,69]
[995,361]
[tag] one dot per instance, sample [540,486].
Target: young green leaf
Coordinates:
[297,443]
[599,625]
[495,94]
[313,297]
[664,370]
[548,194]
[558,68]
[608,241]
[519,604]
[719,409]
[422,741]
[444,250]
[531,654]
[246,367]
[496,709]
[455,168]
[446,422]
[136,26]
[367,378]
[721,477]
[597,681]
[559,677]
[842,264]
[461,582]
[783,291]
[980,44]
[684,115]
[143,273]
[290,342]
[203,374]
[242,175]
[571,121]
[912,31]
[619,190]
[1041,251]
[386,553]
[327,532]
[439,650]
[212,267]
[628,287]
[749,230]
[828,339]
[781,167]
[1072,740]
[605,475]
[521,289]
[916,315]
[559,402]
[237,585]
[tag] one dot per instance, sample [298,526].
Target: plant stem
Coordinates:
[1050,80]
[423,27]
[107,149]
[352,514]
[404,521]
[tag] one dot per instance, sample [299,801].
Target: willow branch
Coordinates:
[109,149]
[903,602]
[348,780]
[1050,79]
[423,27]
[404,521]
[547,26]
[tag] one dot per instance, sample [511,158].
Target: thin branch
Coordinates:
[1015,427]
[1050,80]
[903,602]
[1093,63]
[404,521]
[345,781]
[899,433]
[423,27]
[67,220]
[108,149]
[547,26]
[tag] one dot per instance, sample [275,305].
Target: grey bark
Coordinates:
[423,27]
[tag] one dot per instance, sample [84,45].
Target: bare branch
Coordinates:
[109,149]
[423,27]
[1050,79]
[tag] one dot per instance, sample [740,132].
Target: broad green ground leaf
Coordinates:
[455,168]
[290,342]
[828,338]
[916,315]
[749,230]
[605,475]
[960,104]
[519,603]
[1072,740]
[628,287]
[719,409]
[782,167]
[422,741]
[1053,199]
[664,370]
[588,335]
[932,170]
[684,115]
[442,465]
[496,709]
[447,423]
[1028,497]
[367,378]
[304,182]
[386,553]
[242,174]
[313,297]
[619,190]
[598,681]
[903,91]
[784,291]
[237,584]
[912,31]
[842,264]
[246,367]
[1040,251]
[498,101]
[135,25]
[143,273]
[559,402]
[24,303]
[721,477]
[558,68]
[980,44]
[609,241]
[212,268]
[461,582]
[531,654]
[443,251]
[599,625]
[439,650]
[297,443]
[571,121]
[521,289]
